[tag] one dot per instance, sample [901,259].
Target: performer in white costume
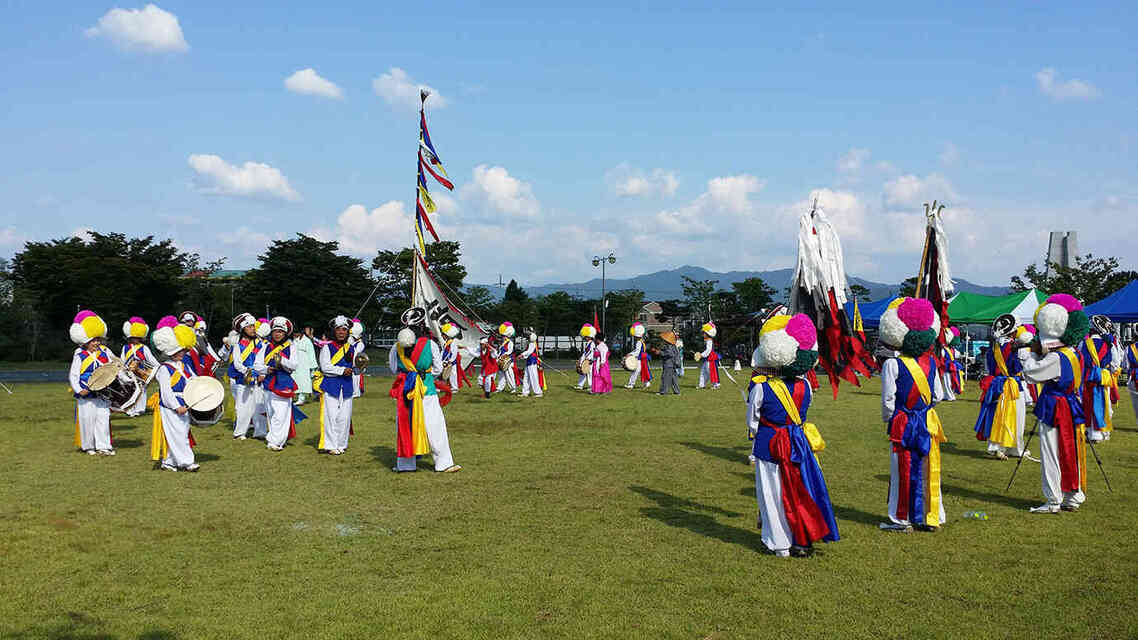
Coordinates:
[135,331]
[275,363]
[506,350]
[337,386]
[585,381]
[709,358]
[305,362]
[641,372]
[531,377]
[242,377]
[92,411]
[171,442]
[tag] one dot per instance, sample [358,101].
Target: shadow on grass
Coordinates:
[856,515]
[80,626]
[206,457]
[127,443]
[734,454]
[952,449]
[675,511]
[385,455]
[998,498]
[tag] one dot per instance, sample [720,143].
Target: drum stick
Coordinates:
[6,388]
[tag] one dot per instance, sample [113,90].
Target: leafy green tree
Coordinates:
[394,273]
[115,276]
[1090,279]
[753,294]
[305,280]
[698,294]
[624,307]
[908,287]
[514,293]
[860,292]
[479,299]
[557,314]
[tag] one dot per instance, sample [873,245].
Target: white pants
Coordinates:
[1021,418]
[280,419]
[1049,473]
[177,430]
[336,413]
[585,380]
[453,379]
[946,386]
[508,376]
[895,487]
[487,382]
[436,425]
[704,374]
[94,415]
[768,491]
[634,377]
[260,412]
[244,406]
[530,381]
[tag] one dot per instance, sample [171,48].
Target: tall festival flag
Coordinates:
[934,280]
[426,290]
[819,290]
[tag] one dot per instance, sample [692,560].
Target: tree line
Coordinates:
[309,281]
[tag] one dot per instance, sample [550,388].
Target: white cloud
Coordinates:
[83,233]
[9,237]
[308,82]
[950,156]
[1073,89]
[361,232]
[399,90]
[148,29]
[496,189]
[252,179]
[732,193]
[248,242]
[911,191]
[629,181]
[853,160]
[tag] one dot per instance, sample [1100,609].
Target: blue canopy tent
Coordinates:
[870,311]
[1120,306]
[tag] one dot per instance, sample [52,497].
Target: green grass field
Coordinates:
[628,516]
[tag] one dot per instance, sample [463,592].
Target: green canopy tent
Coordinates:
[973,308]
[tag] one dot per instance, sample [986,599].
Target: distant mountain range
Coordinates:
[668,284]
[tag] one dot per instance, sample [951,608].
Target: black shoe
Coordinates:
[927,528]
[801,552]
[486,394]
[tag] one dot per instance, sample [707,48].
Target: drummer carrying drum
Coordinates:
[92,411]
[171,440]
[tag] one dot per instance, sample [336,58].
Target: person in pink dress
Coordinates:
[602,377]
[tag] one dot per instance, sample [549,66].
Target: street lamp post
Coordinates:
[600,262]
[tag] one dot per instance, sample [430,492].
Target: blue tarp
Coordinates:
[870,311]
[1120,306]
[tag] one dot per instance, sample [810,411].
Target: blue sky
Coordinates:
[669,134]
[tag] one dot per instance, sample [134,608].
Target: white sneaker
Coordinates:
[1045,508]
[714,386]
[781,553]
[193,467]
[239,437]
[168,467]
[628,386]
[105,452]
[273,447]
[91,452]
[337,452]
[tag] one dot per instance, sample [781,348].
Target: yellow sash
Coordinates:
[419,441]
[813,436]
[1001,364]
[936,435]
[248,350]
[318,377]
[131,351]
[277,349]
[158,446]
